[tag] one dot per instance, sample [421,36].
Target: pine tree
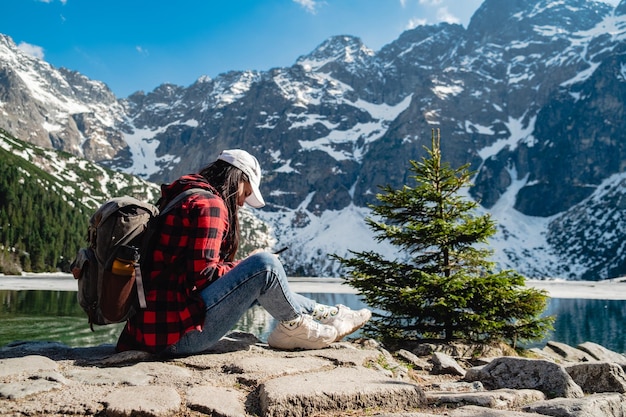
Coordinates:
[443,287]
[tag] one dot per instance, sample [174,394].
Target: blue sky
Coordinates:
[136,45]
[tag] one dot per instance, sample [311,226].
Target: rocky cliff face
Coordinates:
[58,108]
[531,94]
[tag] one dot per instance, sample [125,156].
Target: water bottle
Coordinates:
[125,260]
[118,285]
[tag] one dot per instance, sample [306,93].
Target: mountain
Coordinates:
[531,94]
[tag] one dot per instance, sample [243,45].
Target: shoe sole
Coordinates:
[354,329]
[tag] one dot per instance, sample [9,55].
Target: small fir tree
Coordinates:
[445,287]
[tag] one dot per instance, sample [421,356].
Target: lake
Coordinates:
[56,316]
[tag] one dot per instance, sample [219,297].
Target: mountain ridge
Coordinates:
[523,94]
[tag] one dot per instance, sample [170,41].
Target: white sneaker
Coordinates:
[309,334]
[347,321]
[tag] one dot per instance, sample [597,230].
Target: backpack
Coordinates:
[121,234]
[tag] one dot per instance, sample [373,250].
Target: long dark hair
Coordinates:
[225,178]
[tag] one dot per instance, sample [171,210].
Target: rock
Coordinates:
[417,362]
[150,401]
[36,374]
[444,364]
[27,364]
[345,354]
[567,353]
[603,354]
[499,399]
[598,377]
[547,354]
[391,365]
[456,386]
[234,342]
[605,405]
[520,373]
[463,350]
[407,415]
[476,411]
[22,389]
[216,401]
[242,377]
[130,356]
[338,389]
[110,376]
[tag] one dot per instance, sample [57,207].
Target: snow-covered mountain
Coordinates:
[531,93]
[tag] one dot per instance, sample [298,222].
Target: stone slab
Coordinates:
[476,411]
[216,401]
[498,399]
[26,364]
[340,389]
[596,405]
[151,401]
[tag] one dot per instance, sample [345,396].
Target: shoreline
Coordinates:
[612,289]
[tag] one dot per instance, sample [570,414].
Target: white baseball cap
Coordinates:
[250,166]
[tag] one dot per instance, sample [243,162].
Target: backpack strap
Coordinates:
[169,207]
[141,293]
[182,196]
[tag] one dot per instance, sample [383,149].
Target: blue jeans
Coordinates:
[260,279]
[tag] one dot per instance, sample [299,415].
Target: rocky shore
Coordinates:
[242,377]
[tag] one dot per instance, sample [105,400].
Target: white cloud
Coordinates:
[309,5]
[415,22]
[32,50]
[443,15]
[431,2]
[141,51]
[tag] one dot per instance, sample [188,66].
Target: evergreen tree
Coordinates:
[443,287]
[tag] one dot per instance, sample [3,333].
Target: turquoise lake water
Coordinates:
[56,316]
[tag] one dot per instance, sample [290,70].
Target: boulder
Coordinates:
[598,377]
[603,354]
[444,364]
[415,361]
[520,373]
[568,353]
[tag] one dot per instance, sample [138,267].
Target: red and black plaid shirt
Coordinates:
[192,236]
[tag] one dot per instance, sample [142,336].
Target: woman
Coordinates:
[196,290]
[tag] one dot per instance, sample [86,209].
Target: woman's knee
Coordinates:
[267,261]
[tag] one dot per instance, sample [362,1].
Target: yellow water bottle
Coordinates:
[122,267]
[124,262]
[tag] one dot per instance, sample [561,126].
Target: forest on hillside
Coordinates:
[40,230]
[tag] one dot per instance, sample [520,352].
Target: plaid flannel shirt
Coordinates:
[195,232]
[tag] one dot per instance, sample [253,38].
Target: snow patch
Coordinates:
[516,230]
[518,133]
[361,134]
[143,148]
